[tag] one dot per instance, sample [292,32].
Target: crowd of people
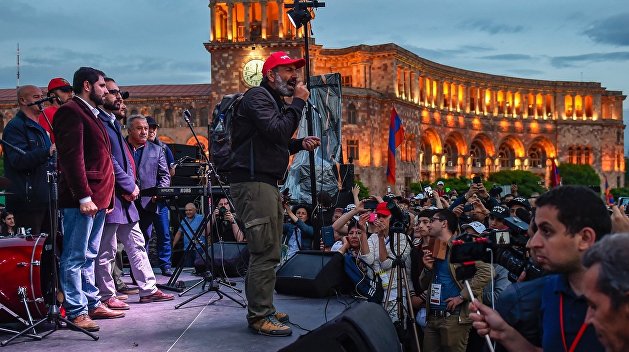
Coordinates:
[571,240]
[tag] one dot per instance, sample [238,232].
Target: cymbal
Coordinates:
[5,193]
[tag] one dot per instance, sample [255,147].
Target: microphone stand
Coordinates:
[53,316]
[208,277]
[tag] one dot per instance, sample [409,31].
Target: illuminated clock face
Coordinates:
[252,72]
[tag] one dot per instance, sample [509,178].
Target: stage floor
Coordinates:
[205,324]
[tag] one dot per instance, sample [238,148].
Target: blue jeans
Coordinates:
[162,230]
[81,240]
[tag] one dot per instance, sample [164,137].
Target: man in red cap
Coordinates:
[61,91]
[263,127]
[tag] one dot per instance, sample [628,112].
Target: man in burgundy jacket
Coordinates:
[86,186]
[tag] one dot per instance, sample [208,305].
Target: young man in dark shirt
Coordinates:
[569,220]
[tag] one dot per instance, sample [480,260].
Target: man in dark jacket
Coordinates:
[262,143]
[29,199]
[86,189]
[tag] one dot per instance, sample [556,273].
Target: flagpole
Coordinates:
[18,66]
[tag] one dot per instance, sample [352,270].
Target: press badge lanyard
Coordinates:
[574,344]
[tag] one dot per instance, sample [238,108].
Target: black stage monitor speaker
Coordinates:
[312,274]
[365,327]
[230,258]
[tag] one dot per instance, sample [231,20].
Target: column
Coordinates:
[407,84]
[597,108]
[247,22]
[230,23]
[263,8]
[280,19]
[212,21]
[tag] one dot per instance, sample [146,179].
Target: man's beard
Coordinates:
[98,100]
[111,106]
[285,88]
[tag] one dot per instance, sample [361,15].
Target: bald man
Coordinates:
[27,170]
[192,221]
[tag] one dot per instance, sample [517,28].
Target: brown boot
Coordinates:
[84,322]
[102,312]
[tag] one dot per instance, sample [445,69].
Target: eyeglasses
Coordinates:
[435,219]
[114,91]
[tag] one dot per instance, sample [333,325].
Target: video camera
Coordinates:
[400,220]
[508,248]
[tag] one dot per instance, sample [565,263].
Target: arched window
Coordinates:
[588,106]
[451,152]
[352,114]
[168,118]
[478,154]
[568,106]
[578,106]
[580,158]
[506,155]
[572,155]
[426,151]
[537,156]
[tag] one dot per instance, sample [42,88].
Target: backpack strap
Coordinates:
[250,139]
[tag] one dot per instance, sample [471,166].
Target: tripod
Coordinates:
[53,316]
[403,302]
[208,277]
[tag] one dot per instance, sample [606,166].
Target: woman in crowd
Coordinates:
[7,224]
[298,233]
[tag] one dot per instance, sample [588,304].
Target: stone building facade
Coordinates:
[457,122]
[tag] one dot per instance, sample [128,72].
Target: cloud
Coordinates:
[612,30]
[574,60]
[493,27]
[508,57]
[527,72]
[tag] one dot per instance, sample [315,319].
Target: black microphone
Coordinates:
[186,116]
[42,100]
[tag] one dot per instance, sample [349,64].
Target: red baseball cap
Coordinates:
[280,58]
[382,209]
[57,83]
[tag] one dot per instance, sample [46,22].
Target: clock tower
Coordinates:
[243,33]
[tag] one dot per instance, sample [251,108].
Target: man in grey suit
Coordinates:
[152,171]
[122,221]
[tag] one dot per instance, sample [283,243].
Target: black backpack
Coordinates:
[221,129]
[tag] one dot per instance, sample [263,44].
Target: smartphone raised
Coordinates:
[477,179]
[327,235]
[370,204]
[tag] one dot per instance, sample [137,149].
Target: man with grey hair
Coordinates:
[150,171]
[606,288]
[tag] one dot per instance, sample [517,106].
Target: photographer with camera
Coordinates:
[569,220]
[448,323]
[227,227]
[298,233]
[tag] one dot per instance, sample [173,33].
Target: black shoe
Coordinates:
[167,272]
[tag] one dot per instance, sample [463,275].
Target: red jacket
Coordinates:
[84,164]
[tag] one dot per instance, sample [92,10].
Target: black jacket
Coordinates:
[261,130]
[27,172]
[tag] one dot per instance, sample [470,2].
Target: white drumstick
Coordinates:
[487,339]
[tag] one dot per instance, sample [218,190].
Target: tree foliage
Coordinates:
[363,193]
[573,174]
[527,181]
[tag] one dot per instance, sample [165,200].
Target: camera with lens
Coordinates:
[504,247]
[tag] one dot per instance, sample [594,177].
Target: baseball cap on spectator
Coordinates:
[499,212]
[382,209]
[519,201]
[419,196]
[281,58]
[57,83]
[440,183]
[477,226]
[151,121]
[349,207]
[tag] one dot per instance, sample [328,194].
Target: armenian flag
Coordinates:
[396,137]
[555,178]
